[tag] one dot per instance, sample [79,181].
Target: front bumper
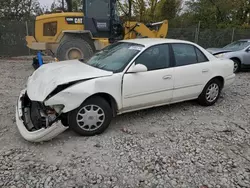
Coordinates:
[34,45]
[41,135]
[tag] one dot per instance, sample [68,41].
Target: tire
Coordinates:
[237,65]
[204,99]
[90,42]
[79,45]
[105,113]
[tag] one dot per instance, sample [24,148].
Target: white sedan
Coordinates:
[126,76]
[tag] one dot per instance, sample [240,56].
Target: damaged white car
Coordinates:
[126,76]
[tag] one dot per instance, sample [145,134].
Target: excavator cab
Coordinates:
[78,35]
[102,20]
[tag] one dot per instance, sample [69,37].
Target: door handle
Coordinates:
[167,77]
[205,70]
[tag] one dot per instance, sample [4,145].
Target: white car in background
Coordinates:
[126,76]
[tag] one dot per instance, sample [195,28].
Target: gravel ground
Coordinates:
[181,145]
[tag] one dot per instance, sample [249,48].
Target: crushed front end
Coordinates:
[37,122]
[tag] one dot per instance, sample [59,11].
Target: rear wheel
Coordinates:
[92,117]
[210,93]
[74,48]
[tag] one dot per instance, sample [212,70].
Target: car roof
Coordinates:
[153,41]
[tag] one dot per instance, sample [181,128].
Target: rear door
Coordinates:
[192,71]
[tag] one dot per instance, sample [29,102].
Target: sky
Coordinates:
[46,2]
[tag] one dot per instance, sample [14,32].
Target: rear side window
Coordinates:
[50,29]
[200,56]
[186,54]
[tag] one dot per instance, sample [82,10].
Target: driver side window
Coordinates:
[155,57]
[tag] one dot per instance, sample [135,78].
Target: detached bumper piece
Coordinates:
[24,124]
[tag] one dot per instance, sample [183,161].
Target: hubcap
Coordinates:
[212,92]
[235,66]
[74,53]
[90,117]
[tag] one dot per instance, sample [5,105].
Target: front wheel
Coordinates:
[237,65]
[210,93]
[91,118]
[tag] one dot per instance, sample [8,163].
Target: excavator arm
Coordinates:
[154,30]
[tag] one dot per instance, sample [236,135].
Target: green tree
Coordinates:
[139,10]
[69,5]
[242,11]
[126,9]
[152,4]
[19,9]
[77,5]
[220,13]
[168,9]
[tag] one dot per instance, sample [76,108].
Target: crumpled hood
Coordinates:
[46,78]
[215,51]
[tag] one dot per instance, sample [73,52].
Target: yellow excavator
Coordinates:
[76,35]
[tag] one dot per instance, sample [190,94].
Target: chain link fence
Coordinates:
[208,38]
[12,36]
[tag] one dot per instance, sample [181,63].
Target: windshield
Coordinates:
[115,57]
[238,45]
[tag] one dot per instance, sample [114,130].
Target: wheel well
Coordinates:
[110,100]
[220,78]
[236,58]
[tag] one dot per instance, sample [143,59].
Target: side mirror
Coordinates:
[137,68]
[248,49]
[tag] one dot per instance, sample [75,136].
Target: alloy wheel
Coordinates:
[90,117]
[212,92]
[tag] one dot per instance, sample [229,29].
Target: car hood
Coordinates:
[47,77]
[215,51]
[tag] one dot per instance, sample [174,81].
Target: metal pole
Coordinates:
[27,31]
[195,36]
[198,32]
[27,28]
[233,35]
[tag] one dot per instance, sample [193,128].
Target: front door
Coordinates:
[153,87]
[246,57]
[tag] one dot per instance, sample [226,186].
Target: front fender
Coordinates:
[73,96]
[232,55]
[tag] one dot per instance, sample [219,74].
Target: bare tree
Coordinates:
[69,5]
